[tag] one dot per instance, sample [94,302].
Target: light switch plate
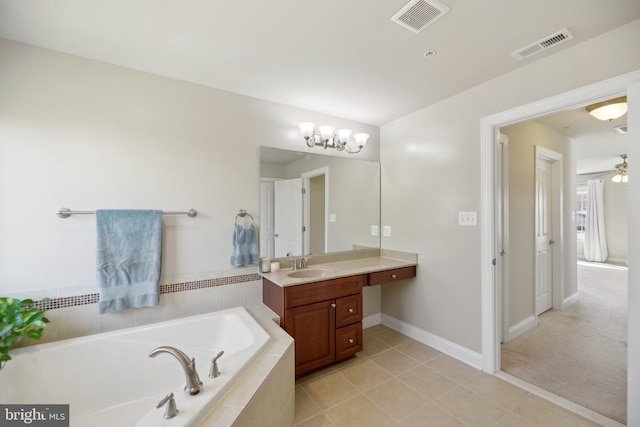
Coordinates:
[468,218]
[332,217]
[386,231]
[374,230]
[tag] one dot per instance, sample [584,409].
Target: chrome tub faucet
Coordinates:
[194,385]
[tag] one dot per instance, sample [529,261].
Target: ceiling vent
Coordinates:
[419,14]
[547,42]
[622,130]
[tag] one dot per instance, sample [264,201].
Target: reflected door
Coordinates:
[288,217]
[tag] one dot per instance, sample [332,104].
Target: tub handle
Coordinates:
[170,409]
[214,372]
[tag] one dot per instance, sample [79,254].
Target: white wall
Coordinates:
[431,171]
[85,135]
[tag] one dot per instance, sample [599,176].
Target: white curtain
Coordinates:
[595,241]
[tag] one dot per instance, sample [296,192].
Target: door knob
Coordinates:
[552,242]
[503,252]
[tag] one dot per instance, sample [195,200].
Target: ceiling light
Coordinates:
[608,110]
[621,171]
[327,137]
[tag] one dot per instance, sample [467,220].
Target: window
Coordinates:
[582,199]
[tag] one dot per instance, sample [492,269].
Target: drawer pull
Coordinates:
[350,340]
[393,276]
[351,310]
[333,305]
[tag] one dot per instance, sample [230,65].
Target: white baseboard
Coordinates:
[447,347]
[373,320]
[570,300]
[521,327]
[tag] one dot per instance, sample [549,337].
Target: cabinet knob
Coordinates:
[351,310]
[350,340]
[333,305]
[393,276]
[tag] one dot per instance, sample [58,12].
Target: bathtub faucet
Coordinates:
[189,365]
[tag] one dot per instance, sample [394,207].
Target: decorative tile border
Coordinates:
[170,288]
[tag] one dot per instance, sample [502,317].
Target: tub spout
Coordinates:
[189,365]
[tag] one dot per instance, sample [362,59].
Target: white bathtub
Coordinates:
[109,380]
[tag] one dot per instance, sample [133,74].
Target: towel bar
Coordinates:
[66,212]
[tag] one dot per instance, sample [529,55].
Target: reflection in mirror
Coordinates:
[315,204]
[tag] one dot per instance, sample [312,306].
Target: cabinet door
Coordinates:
[348,341]
[312,327]
[348,310]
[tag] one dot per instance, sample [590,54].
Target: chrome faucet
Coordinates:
[299,263]
[189,365]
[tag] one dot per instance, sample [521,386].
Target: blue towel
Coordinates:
[245,245]
[128,258]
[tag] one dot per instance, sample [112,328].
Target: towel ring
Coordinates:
[242,214]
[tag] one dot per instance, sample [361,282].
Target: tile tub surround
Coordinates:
[397,381]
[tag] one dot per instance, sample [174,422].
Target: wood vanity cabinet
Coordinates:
[324,318]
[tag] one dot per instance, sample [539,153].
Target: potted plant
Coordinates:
[19,318]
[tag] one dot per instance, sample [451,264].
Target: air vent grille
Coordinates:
[419,14]
[621,129]
[547,42]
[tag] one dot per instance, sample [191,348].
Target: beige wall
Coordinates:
[85,135]
[431,171]
[616,218]
[523,138]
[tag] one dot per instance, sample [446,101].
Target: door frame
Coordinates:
[489,126]
[306,209]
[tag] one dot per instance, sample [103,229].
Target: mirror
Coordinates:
[314,204]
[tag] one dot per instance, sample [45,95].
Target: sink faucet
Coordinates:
[299,263]
[189,365]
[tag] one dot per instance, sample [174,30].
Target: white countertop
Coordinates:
[342,269]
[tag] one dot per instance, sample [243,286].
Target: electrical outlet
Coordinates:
[468,218]
[386,231]
[374,230]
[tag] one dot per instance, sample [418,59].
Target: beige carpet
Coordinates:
[580,353]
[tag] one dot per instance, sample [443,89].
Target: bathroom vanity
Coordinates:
[321,307]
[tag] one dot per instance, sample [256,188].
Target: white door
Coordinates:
[544,237]
[502,228]
[288,217]
[267,221]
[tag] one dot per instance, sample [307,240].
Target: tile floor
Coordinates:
[397,381]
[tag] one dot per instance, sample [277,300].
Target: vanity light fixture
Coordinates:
[621,171]
[327,137]
[608,110]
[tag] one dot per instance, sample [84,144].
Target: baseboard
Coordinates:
[447,347]
[373,320]
[570,300]
[521,327]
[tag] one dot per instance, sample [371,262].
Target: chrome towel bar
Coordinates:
[66,212]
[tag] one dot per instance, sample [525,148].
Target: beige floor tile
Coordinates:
[452,368]
[392,338]
[431,415]
[371,346]
[305,406]
[320,420]
[365,375]
[349,362]
[314,375]
[374,330]
[396,399]
[394,362]
[544,413]
[493,388]
[470,408]
[513,420]
[427,382]
[418,351]
[358,411]
[330,390]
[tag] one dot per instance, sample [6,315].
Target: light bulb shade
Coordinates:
[609,110]
[361,139]
[344,135]
[617,178]
[326,132]
[306,129]
[625,178]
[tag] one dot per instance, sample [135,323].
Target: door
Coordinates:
[502,240]
[288,217]
[544,237]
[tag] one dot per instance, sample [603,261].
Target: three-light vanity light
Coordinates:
[327,137]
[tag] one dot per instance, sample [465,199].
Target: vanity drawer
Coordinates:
[348,341]
[348,310]
[322,291]
[394,275]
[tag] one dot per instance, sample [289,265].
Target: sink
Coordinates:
[311,272]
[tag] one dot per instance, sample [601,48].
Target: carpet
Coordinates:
[580,353]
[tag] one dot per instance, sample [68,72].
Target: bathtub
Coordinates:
[108,379]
